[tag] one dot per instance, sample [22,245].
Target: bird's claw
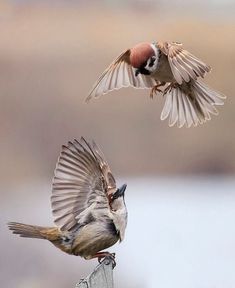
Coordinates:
[169,88]
[154,90]
[107,259]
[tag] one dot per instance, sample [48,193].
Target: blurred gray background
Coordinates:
[181,187]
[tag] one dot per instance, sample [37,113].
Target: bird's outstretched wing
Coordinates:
[184,65]
[82,185]
[118,75]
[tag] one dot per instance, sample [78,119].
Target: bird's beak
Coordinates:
[137,72]
[119,192]
[122,190]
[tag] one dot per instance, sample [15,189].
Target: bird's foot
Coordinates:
[169,88]
[156,89]
[106,257]
[109,257]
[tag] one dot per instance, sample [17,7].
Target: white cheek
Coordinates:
[155,49]
[152,68]
[156,52]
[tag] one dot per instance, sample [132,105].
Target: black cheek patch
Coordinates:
[144,71]
[152,62]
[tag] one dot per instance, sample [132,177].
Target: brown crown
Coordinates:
[140,53]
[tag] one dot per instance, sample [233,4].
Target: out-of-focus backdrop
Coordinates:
[181,190]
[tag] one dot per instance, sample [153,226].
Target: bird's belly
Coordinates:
[91,239]
[162,76]
[163,72]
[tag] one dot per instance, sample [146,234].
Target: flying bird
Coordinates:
[89,210]
[166,65]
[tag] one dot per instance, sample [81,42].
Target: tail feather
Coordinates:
[191,104]
[28,231]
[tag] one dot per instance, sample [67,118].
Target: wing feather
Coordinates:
[82,180]
[184,65]
[118,75]
[174,111]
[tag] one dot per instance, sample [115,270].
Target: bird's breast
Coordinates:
[93,238]
[163,72]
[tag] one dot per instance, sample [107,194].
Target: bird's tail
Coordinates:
[31,231]
[190,103]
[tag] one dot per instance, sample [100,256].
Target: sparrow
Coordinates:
[188,101]
[89,210]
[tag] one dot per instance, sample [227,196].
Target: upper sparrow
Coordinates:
[188,101]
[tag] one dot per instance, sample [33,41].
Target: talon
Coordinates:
[100,259]
[156,89]
[169,88]
[114,264]
[106,256]
[110,258]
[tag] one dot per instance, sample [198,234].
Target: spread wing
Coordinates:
[82,184]
[120,74]
[184,65]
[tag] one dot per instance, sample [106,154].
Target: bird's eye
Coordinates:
[151,61]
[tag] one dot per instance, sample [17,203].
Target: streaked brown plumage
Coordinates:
[188,101]
[89,210]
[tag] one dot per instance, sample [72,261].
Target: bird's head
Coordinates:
[117,200]
[144,57]
[119,210]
